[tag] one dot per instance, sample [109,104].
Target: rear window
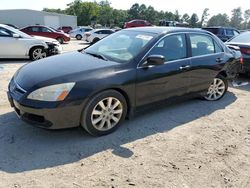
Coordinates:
[242,38]
[212,30]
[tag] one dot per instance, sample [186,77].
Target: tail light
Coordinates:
[87,34]
[245,51]
[241,60]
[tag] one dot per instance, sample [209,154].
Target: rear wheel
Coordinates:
[37,53]
[217,89]
[104,113]
[79,37]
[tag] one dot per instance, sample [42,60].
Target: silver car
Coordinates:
[78,33]
[16,44]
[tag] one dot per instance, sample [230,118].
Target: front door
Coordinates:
[168,80]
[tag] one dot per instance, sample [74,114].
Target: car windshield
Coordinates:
[242,38]
[53,29]
[121,46]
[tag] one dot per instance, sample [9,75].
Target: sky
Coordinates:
[183,6]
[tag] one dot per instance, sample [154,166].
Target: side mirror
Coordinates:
[154,60]
[16,35]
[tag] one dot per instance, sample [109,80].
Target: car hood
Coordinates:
[46,39]
[68,67]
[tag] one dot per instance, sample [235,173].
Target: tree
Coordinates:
[134,11]
[219,20]
[194,20]
[247,19]
[204,17]
[105,13]
[185,18]
[54,10]
[177,16]
[236,18]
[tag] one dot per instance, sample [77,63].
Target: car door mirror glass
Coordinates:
[154,60]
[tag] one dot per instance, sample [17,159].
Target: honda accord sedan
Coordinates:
[98,87]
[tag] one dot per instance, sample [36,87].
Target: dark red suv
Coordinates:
[44,31]
[137,23]
[65,29]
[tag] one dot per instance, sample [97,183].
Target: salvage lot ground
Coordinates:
[191,144]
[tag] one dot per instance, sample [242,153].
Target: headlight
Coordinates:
[52,93]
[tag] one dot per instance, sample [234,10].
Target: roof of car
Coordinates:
[217,27]
[162,30]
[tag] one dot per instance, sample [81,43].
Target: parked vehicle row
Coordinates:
[98,87]
[16,44]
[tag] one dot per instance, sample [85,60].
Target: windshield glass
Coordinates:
[121,46]
[242,38]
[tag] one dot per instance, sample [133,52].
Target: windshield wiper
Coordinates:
[97,55]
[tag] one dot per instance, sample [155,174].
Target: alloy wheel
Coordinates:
[107,114]
[39,53]
[216,90]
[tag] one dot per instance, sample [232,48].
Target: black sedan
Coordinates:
[98,87]
[243,41]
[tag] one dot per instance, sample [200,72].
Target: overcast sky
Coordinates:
[188,6]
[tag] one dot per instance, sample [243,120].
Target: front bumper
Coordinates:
[54,49]
[49,118]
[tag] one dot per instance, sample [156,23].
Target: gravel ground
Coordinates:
[191,144]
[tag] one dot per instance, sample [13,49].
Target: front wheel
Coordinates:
[37,53]
[217,89]
[104,113]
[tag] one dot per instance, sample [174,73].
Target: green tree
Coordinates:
[247,19]
[134,11]
[194,20]
[236,18]
[54,10]
[105,13]
[185,18]
[204,17]
[219,20]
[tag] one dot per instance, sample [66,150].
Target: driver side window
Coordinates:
[5,33]
[172,47]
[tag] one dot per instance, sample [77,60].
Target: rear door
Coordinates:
[168,80]
[207,61]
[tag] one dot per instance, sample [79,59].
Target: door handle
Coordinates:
[218,60]
[184,67]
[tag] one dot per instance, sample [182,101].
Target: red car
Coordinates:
[44,31]
[137,23]
[65,29]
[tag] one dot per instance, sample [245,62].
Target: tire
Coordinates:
[37,53]
[78,37]
[60,40]
[99,118]
[217,89]
[95,40]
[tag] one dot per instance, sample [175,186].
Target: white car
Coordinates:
[16,44]
[97,34]
[78,33]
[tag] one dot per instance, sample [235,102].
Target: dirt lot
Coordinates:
[191,144]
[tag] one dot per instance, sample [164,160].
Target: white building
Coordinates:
[25,17]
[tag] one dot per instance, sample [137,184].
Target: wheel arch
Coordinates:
[35,46]
[223,73]
[130,110]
